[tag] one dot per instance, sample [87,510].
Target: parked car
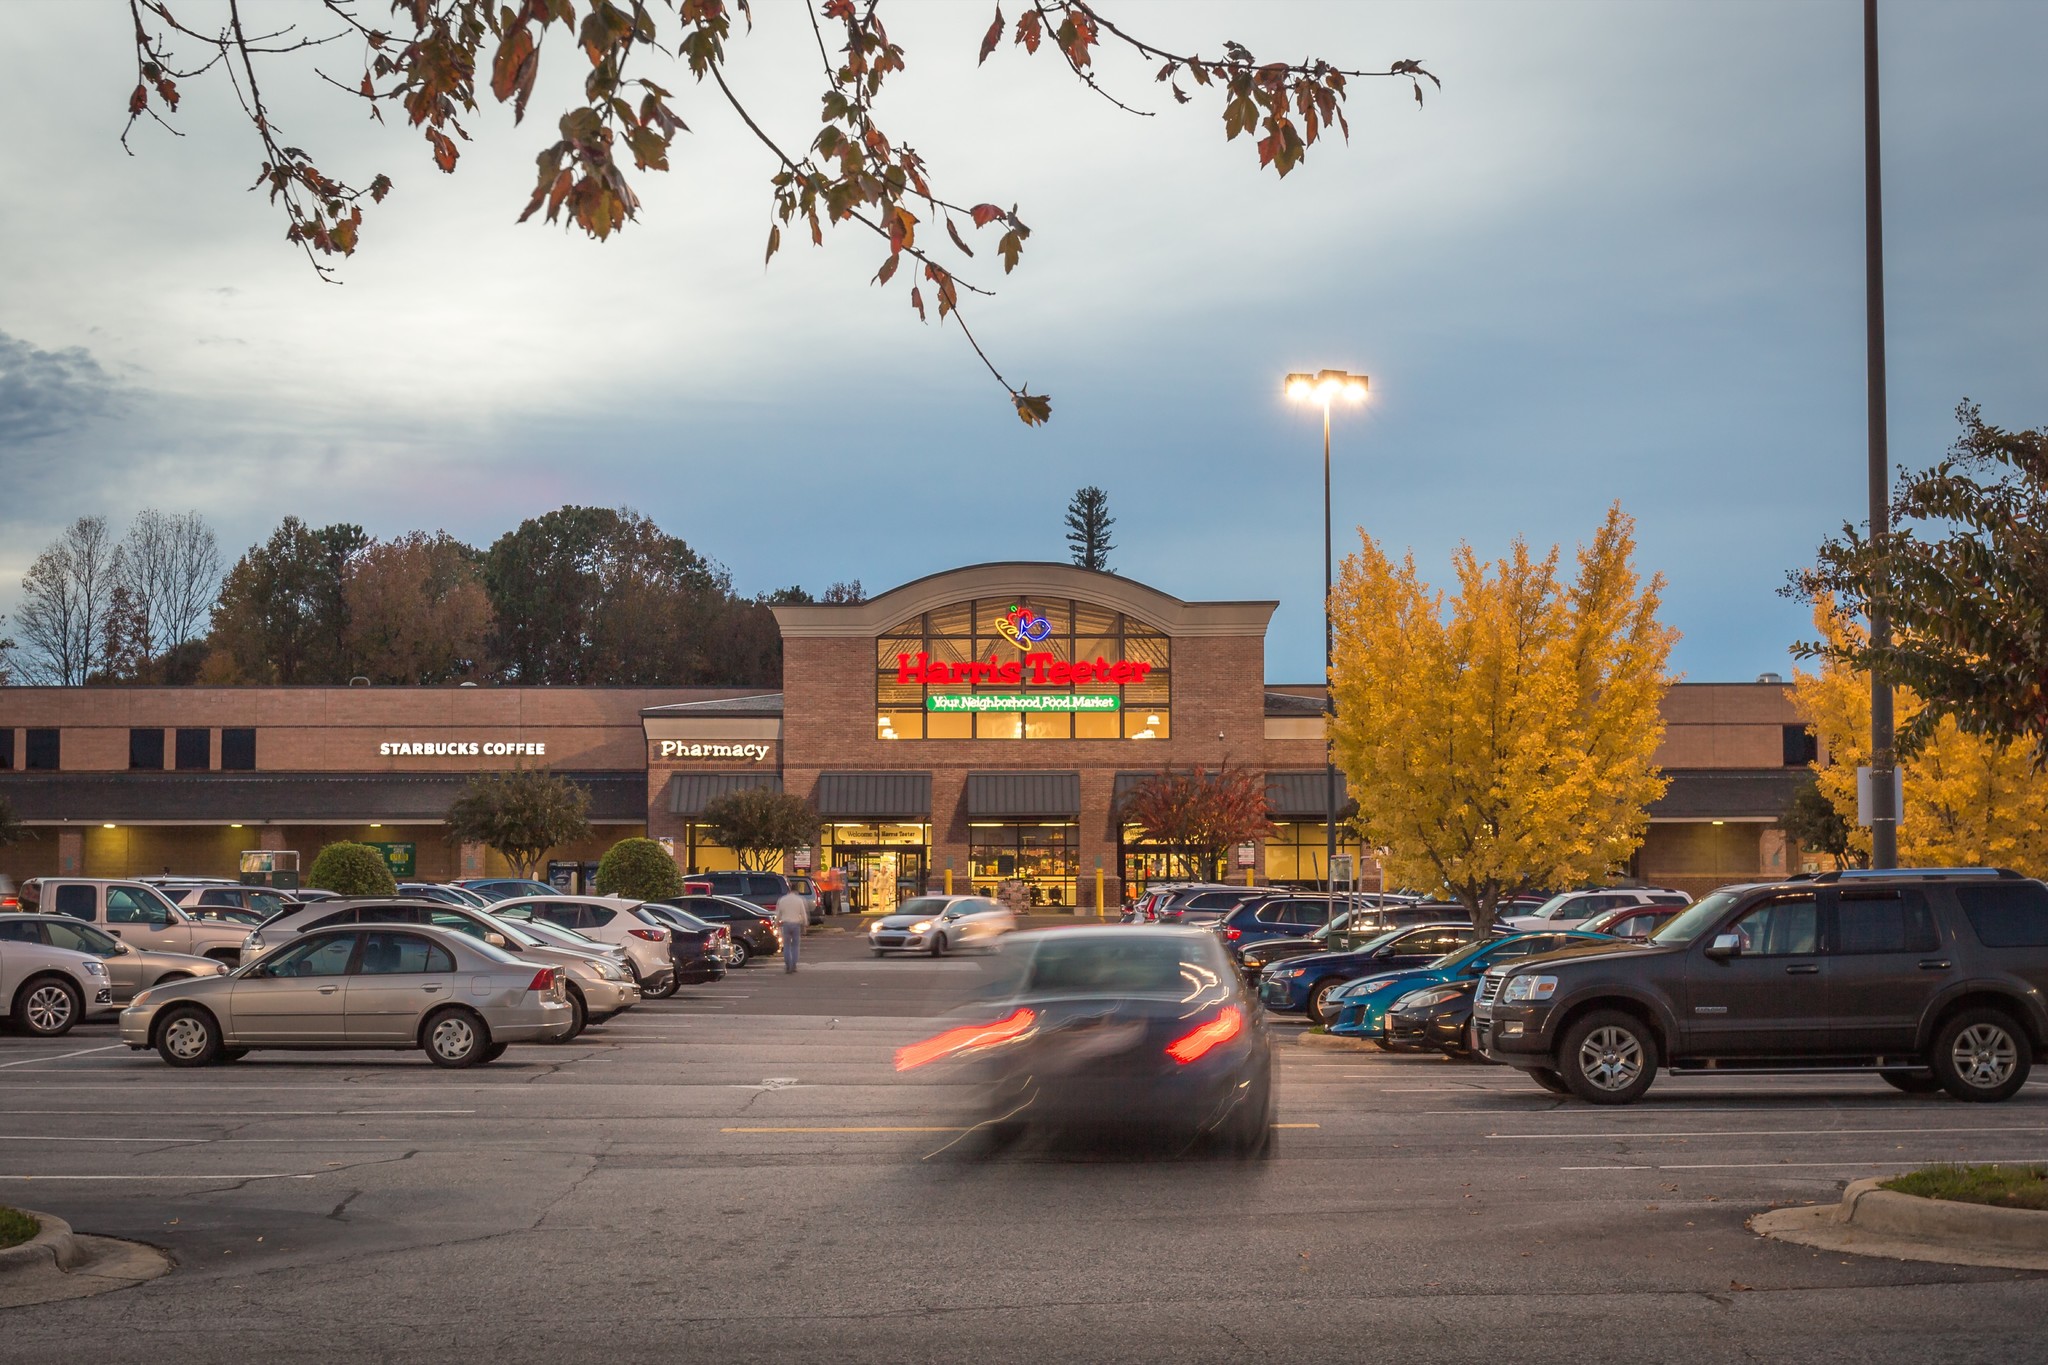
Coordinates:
[941,924]
[447,895]
[1361,1008]
[762,888]
[701,952]
[129,969]
[1309,985]
[1930,978]
[1296,914]
[1436,1018]
[1349,931]
[1633,922]
[48,990]
[613,920]
[814,909]
[134,913]
[234,904]
[1136,1031]
[752,931]
[457,998]
[10,896]
[496,889]
[1200,904]
[1567,909]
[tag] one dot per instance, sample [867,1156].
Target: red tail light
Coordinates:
[651,935]
[1233,933]
[543,980]
[965,1038]
[1190,1047]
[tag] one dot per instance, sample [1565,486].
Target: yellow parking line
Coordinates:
[842,1130]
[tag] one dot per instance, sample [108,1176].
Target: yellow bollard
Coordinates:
[949,881]
[1247,876]
[1101,910]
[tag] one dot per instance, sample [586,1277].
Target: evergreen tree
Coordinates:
[1088,523]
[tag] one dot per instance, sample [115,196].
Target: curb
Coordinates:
[53,1245]
[1875,1221]
[1335,1044]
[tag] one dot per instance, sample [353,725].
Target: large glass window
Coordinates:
[1297,850]
[1066,669]
[1042,857]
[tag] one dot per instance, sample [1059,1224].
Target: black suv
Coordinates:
[1932,978]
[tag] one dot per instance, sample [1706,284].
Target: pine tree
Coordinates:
[1088,523]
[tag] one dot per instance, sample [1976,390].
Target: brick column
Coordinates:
[1771,851]
[271,837]
[472,860]
[71,852]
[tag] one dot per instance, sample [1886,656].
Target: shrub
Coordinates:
[351,870]
[639,868]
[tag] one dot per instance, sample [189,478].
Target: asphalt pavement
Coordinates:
[738,1174]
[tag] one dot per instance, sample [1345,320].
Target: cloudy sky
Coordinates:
[1617,258]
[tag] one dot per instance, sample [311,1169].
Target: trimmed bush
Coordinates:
[351,870]
[16,1227]
[639,868]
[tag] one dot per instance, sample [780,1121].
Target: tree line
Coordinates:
[579,595]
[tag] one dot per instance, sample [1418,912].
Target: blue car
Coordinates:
[1361,1007]
[1306,984]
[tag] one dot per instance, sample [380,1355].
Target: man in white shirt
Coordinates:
[791,913]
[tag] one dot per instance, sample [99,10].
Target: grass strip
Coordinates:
[16,1227]
[2005,1187]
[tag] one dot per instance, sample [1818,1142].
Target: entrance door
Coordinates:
[879,878]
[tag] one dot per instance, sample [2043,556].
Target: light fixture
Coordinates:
[376,826]
[106,826]
[234,826]
[1327,386]
[1151,720]
[1720,822]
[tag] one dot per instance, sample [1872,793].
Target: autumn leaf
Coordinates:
[917,302]
[992,37]
[888,269]
[984,214]
[138,101]
[445,153]
[958,240]
[774,242]
[1029,31]
[1033,409]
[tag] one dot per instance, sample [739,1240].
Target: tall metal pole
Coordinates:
[1884,817]
[1329,697]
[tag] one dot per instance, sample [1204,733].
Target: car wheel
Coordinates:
[938,945]
[1608,1058]
[231,1054]
[1981,1055]
[675,979]
[1251,1134]
[188,1036]
[876,951]
[1910,1082]
[455,1037]
[493,1052]
[1549,1080]
[1319,1011]
[579,1016]
[1383,1045]
[741,954]
[47,1007]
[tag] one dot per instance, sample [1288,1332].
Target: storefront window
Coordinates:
[1296,852]
[1083,672]
[1042,857]
[885,863]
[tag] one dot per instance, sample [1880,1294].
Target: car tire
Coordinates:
[1319,997]
[741,955]
[188,1036]
[1911,1082]
[675,979]
[231,1054]
[876,951]
[47,1007]
[455,1037]
[1549,1080]
[1251,1129]
[938,948]
[1608,1057]
[579,1016]
[1383,1045]
[493,1052]
[1981,1055]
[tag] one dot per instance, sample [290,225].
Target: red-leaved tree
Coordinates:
[1199,814]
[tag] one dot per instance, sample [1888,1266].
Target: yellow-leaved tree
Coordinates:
[1971,801]
[1509,745]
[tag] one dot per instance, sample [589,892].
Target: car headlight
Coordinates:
[606,971]
[1359,988]
[141,999]
[1286,971]
[920,926]
[1530,988]
[1427,999]
[94,967]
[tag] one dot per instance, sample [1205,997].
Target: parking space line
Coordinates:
[265,1175]
[60,1056]
[1898,1163]
[228,1113]
[1758,1132]
[843,1130]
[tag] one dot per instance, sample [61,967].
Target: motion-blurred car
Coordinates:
[461,1001]
[47,990]
[1140,1033]
[1361,1007]
[941,924]
[129,969]
[1309,985]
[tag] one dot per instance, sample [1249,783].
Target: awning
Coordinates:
[251,798]
[1751,794]
[1024,796]
[1304,796]
[875,796]
[689,793]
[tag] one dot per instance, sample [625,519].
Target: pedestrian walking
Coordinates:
[792,914]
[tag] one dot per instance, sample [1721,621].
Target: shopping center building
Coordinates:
[978,726]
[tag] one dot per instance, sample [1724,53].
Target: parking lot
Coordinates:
[738,1173]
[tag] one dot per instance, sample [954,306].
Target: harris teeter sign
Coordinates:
[1021,701]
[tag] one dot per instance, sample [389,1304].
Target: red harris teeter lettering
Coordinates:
[1035,670]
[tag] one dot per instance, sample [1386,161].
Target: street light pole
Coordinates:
[1325,387]
[1884,814]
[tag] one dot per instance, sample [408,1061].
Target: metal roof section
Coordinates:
[209,798]
[1024,796]
[764,704]
[1303,796]
[875,796]
[689,793]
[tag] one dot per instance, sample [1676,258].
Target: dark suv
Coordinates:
[1932,978]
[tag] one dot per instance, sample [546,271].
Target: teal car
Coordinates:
[1361,1007]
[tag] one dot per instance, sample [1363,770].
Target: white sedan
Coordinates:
[941,924]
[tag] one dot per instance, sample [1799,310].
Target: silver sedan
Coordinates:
[129,968]
[461,1001]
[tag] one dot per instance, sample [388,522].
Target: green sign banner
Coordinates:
[399,858]
[1021,701]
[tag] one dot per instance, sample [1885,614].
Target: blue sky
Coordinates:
[1617,258]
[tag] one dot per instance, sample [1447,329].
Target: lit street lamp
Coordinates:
[1327,387]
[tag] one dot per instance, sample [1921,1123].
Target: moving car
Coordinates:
[753,931]
[1930,978]
[1137,1032]
[612,920]
[459,1000]
[129,969]
[47,990]
[1567,909]
[134,913]
[1362,1007]
[700,951]
[941,924]
[1309,984]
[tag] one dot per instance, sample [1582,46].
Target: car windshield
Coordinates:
[923,905]
[1686,927]
[1463,955]
[517,933]
[1120,965]
[1550,908]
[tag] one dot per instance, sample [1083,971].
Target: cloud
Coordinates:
[46,393]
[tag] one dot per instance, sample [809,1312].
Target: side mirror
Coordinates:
[122,950]
[496,940]
[1725,946]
